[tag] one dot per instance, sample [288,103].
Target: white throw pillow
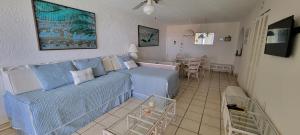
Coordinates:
[19,80]
[82,76]
[107,63]
[130,64]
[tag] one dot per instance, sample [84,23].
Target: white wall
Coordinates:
[221,52]
[115,30]
[277,79]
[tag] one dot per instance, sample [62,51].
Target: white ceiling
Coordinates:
[191,11]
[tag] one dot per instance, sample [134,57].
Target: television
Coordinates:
[280,37]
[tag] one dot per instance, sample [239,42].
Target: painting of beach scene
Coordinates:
[60,27]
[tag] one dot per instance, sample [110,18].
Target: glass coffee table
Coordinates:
[150,118]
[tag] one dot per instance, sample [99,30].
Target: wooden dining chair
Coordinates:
[205,65]
[193,67]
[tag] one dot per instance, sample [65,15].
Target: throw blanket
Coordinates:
[64,110]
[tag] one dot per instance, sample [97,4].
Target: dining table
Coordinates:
[183,63]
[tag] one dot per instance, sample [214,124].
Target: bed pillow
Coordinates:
[52,76]
[82,76]
[130,64]
[19,80]
[94,63]
[122,59]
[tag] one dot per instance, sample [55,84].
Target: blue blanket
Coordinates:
[64,110]
[149,81]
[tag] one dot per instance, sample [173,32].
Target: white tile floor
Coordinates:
[198,109]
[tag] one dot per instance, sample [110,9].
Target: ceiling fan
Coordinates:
[148,8]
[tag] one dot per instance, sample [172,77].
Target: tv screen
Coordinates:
[279,38]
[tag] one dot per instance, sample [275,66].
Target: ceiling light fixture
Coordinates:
[149,8]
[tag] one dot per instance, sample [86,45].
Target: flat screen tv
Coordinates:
[279,38]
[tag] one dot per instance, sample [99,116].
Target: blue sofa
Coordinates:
[64,110]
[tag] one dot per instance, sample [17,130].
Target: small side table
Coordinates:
[221,67]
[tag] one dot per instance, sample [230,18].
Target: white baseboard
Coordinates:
[5,126]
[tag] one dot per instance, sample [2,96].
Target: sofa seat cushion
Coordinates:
[235,91]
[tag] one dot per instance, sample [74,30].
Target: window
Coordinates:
[204,38]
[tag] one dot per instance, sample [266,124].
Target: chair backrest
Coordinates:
[194,63]
[180,56]
[205,61]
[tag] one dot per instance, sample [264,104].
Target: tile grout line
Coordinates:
[188,107]
[98,123]
[210,77]
[228,80]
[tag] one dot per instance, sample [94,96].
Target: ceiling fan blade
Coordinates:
[140,5]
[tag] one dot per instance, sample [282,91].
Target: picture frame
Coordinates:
[147,36]
[60,27]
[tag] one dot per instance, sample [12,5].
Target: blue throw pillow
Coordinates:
[94,63]
[52,76]
[122,59]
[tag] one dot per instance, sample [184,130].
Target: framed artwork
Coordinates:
[148,36]
[60,27]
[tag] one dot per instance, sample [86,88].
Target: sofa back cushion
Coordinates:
[111,63]
[52,76]
[122,59]
[107,63]
[130,64]
[18,80]
[94,63]
[82,76]
[115,62]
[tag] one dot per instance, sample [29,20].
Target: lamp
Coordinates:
[149,8]
[133,51]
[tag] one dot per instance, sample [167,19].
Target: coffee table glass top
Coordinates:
[150,117]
